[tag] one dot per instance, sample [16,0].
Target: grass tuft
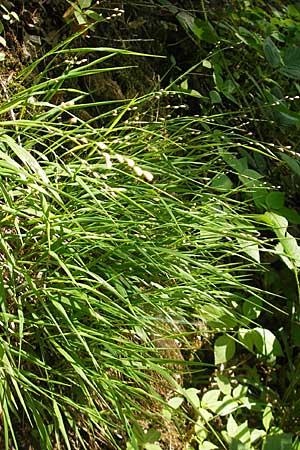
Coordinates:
[115,240]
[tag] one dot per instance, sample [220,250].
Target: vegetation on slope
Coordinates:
[148,246]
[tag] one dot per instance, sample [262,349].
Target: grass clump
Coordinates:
[115,240]
[143,250]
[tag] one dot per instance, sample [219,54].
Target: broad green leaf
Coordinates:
[85,3]
[184,85]
[200,427]
[232,426]
[290,214]
[272,53]
[238,164]
[281,441]
[236,444]
[166,414]
[281,250]
[287,248]
[175,402]
[222,183]
[208,33]
[291,71]
[226,406]
[260,162]
[210,399]
[250,178]
[243,433]
[206,445]
[278,223]
[259,195]
[239,391]
[229,87]
[149,446]
[192,397]
[293,11]
[217,316]
[80,17]
[249,37]
[275,200]
[256,435]
[291,249]
[250,248]
[224,384]
[247,338]
[201,29]
[204,415]
[291,59]
[93,15]
[152,436]
[187,21]
[292,163]
[267,417]
[215,97]
[224,349]
[252,307]
[206,63]
[129,446]
[286,117]
[266,342]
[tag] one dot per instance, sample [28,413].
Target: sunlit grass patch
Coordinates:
[115,240]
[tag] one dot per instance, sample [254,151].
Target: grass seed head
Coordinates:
[138,171]
[130,162]
[107,160]
[120,158]
[101,145]
[148,175]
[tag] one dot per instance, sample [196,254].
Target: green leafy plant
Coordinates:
[107,244]
[84,12]
[227,401]
[145,440]
[142,254]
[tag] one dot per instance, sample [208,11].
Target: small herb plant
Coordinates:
[84,12]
